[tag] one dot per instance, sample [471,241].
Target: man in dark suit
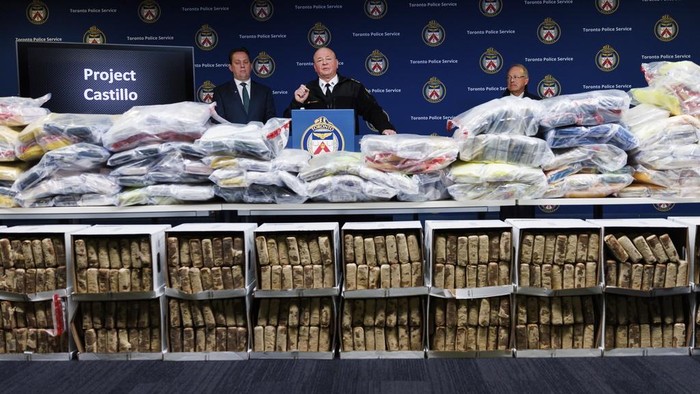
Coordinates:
[243,100]
[517,79]
[334,91]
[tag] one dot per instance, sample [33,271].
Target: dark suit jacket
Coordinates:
[229,103]
[527,94]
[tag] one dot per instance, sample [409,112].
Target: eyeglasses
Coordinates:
[514,77]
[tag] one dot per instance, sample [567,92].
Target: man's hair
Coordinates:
[239,49]
[521,66]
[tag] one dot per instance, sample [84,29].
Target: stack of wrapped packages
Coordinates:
[415,164]
[666,120]
[70,170]
[589,144]
[250,163]
[500,157]
[154,155]
[15,113]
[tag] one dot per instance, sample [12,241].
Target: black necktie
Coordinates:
[246,97]
[327,93]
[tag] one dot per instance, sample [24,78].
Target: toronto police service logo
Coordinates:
[319,35]
[322,137]
[262,10]
[491,61]
[375,9]
[263,65]
[94,36]
[548,87]
[205,92]
[490,7]
[149,11]
[607,58]
[606,6]
[206,38]
[37,12]
[666,28]
[548,31]
[376,63]
[434,90]
[433,34]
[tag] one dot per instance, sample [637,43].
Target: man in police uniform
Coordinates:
[334,91]
[517,80]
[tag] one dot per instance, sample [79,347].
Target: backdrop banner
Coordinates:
[424,61]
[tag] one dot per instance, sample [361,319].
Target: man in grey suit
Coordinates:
[243,100]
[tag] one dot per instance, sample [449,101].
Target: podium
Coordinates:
[319,131]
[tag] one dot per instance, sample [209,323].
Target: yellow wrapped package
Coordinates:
[11,171]
[27,148]
[657,97]
[8,141]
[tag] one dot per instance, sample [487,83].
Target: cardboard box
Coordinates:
[117,330]
[400,334]
[391,277]
[633,228]
[273,334]
[552,229]
[213,232]
[455,229]
[290,281]
[60,236]
[151,237]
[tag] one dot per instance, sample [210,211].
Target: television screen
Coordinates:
[104,78]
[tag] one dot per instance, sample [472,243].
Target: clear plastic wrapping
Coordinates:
[505,148]
[61,184]
[496,191]
[140,125]
[672,85]
[27,149]
[250,140]
[585,109]
[676,130]
[79,157]
[292,160]
[347,188]
[609,133]
[9,138]
[408,153]
[21,111]
[480,173]
[669,157]
[60,130]
[351,163]
[258,194]
[588,185]
[9,172]
[607,158]
[684,177]
[430,186]
[506,115]
[642,114]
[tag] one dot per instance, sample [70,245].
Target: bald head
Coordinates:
[325,63]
